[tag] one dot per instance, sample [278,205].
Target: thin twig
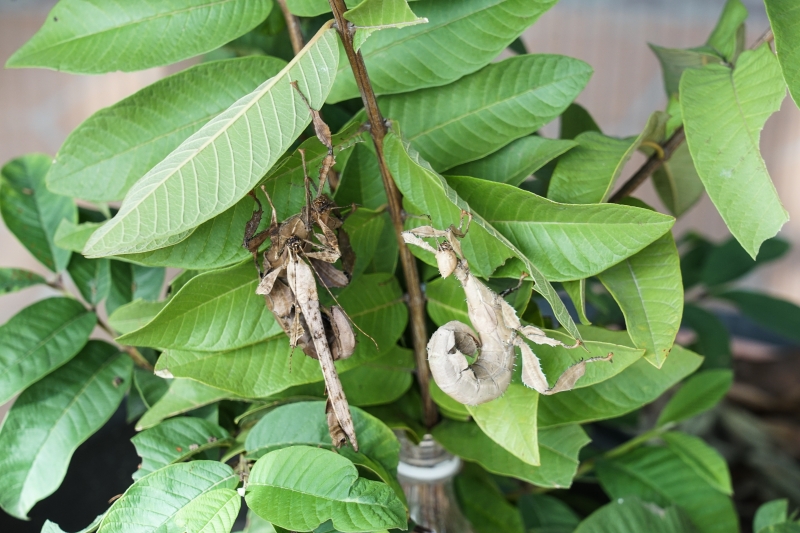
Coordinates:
[293,27]
[416,301]
[656,160]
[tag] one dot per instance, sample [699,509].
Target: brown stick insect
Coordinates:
[302,246]
[498,328]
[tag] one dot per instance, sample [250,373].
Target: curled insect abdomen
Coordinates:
[483,381]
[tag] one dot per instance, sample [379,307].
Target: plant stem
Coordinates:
[416,301]
[293,27]
[670,145]
[138,359]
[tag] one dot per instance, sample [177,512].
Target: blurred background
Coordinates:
[39,108]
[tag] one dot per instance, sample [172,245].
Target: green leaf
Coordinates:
[448,406]
[727,39]
[90,38]
[480,113]
[648,289]
[784,17]
[52,417]
[637,385]
[713,340]
[426,191]
[39,339]
[703,459]
[724,112]
[215,311]
[91,276]
[565,242]
[558,447]
[729,261]
[147,282]
[577,293]
[149,386]
[510,421]
[50,527]
[660,476]
[211,512]
[301,487]
[184,395]
[160,500]
[372,15]
[576,120]
[373,301]
[543,513]
[381,380]
[365,228]
[777,315]
[174,441]
[484,505]
[132,316]
[109,151]
[674,61]
[121,290]
[16,279]
[632,515]
[31,212]
[72,236]
[516,161]
[219,164]
[771,514]
[587,174]
[677,182]
[459,38]
[361,182]
[695,253]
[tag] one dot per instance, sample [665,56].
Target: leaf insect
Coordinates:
[498,328]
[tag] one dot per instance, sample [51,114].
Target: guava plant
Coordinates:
[316,179]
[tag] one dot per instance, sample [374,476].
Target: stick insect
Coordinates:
[499,331]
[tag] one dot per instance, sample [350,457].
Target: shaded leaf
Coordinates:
[217,166]
[724,112]
[677,182]
[543,513]
[702,458]
[91,276]
[184,395]
[576,120]
[483,504]
[39,339]
[674,61]
[150,387]
[120,292]
[173,441]
[577,293]
[775,314]
[361,179]
[459,38]
[480,113]
[558,447]
[713,340]
[326,487]
[632,515]
[104,156]
[516,161]
[16,279]
[90,38]
[770,514]
[381,380]
[448,407]
[162,499]
[784,17]
[52,418]
[50,527]
[729,261]
[31,212]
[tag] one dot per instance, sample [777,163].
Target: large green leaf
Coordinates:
[39,339]
[50,527]
[173,441]
[177,496]
[215,311]
[380,380]
[515,161]
[211,512]
[484,505]
[632,515]
[361,179]
[91,36]
[778,315]
[16,279]
[784,18]
[31,212]
[637,385]
[459,38]
[700,393]
[52,418]
[647,286]
[482,112]
[373,301]
[660,476]
[219,164]
[184,395]
[565,242]
[702,458]
[558,448]
[587,174]
[301,487]
[724,112]
[485,248]
[104,156]
[510,421]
